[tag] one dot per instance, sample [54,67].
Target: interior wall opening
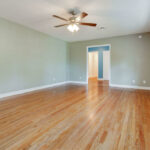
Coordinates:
[98,64]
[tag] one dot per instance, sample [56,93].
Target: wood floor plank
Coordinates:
[73,117]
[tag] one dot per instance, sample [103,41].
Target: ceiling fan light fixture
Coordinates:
[73,21]
[78,19]
[73,28]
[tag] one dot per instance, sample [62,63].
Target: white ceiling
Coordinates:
[119,17]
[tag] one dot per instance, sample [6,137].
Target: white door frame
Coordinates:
[88,62]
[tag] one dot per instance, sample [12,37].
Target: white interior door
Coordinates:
[106,65]
[93,64]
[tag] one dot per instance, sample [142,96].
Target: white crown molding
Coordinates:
[130,86]
[3,95]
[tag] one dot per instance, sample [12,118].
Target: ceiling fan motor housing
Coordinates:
[72,19]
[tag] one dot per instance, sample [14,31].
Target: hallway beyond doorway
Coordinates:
[98,62]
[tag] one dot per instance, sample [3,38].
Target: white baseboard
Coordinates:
[31,89]
[100,79]
[130,86]
[3,95]
[77,82]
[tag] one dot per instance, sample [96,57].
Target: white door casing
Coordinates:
[106,65]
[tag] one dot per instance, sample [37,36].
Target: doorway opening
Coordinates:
[98,64]
[92,65]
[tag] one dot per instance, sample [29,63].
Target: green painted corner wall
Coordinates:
[29,58]
[130,59]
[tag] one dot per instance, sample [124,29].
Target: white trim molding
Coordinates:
[77,82]
[130,86]
[100,78]
[3,95]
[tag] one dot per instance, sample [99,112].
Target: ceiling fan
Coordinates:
[73,22]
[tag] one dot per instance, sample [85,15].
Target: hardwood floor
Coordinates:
[74,117]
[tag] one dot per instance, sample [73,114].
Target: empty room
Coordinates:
[75,75]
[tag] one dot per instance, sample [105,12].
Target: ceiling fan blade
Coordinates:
[60,25]
[60,18]
[83,15]
[88,24]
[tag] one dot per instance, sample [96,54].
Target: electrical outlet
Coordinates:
[144,81]
[54,79]
[133,81]
[80,78]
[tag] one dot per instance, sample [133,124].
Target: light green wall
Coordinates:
[130,59]
[29,58]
